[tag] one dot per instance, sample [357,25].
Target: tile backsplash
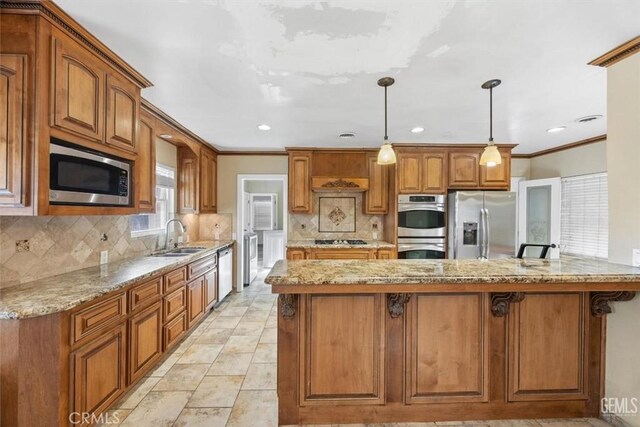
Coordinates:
[36,247]
[203,226]
[305,226]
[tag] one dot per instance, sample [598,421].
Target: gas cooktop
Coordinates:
[339,242]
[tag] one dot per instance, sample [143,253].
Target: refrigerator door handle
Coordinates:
[483,234]
[487,233]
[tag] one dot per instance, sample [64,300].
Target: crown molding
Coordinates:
[576,144]
[252,153]
[52,12]
[618,54]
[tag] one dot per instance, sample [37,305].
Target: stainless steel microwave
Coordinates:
[78,176]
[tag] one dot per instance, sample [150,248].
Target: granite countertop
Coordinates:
[507,270]
[65,291]
[310,244]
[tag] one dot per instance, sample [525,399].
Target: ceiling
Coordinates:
[309,68]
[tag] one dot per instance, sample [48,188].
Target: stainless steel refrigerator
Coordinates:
[481,224]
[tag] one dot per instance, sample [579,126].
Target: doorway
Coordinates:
[261,224]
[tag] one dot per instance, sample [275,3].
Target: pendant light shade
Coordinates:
[386,155]
[490,156]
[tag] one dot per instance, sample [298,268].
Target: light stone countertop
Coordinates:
[311,244]
[65,291]
[506,270]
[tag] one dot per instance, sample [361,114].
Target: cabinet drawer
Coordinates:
[174,330]
[97,317]
[145,293]
[201,266]
[173,304]
[175,279]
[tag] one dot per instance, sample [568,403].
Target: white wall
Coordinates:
[580,160]
[623,158]
[166,153]
[230,166]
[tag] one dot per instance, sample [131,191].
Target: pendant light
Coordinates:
[386,155]
[490,156]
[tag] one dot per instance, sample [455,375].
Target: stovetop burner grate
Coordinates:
[340,242]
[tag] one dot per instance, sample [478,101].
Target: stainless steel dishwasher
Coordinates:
[225,266]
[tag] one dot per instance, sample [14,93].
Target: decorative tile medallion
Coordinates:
[337,215]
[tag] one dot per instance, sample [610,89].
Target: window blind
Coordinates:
[585,215]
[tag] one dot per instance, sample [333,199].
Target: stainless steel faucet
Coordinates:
[183,229]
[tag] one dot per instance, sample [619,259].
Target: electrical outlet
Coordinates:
[104,257]
[635,260]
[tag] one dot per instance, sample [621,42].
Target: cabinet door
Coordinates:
[195,301]
[78,91]
[295,254]
[145,340]
[187,182]
[208,181]
[409,172]
[146,166]
[464,168]
[434,172]
[13,118]
[123,102]
[211,288]
[498,176]
[300,182]
[377,197]
[98,371]
[387,254]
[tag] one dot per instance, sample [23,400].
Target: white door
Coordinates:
[539,214]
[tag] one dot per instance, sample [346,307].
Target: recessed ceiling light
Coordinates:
[557,129]
[264,127]
[417,129]
[588,119]
[347,135]
[165,135]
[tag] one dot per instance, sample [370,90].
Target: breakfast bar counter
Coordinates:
[414,341]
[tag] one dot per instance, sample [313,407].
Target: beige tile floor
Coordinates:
[224,374]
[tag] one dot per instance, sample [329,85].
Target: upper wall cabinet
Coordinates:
[146,164]
[300,197]
[376,199]
[12,130]
[123,102]
[208,181]
[78,91]
[498,176]
[464,168]
[187,181]
[422,171]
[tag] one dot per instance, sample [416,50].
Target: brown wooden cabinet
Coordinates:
[187,181]
[78,90]
[123,103]
[208,181]
[145,340]
[376,199]
[498,176]
[13,129]
[195,300]
[464,166]
[146,165]
[300,196]
[98,372]
[387,254]
[294,254]
[211,289]
[422,171]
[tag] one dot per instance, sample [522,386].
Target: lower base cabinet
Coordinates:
[294,254]
[99,372]
[195,300]
[145,340]
[174,330]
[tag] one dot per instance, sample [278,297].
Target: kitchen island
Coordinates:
[402,341]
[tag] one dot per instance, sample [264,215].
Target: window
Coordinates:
[146,224]
[585,215]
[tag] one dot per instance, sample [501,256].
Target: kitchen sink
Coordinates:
[181,251]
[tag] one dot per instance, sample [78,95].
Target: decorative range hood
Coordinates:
[330,184]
